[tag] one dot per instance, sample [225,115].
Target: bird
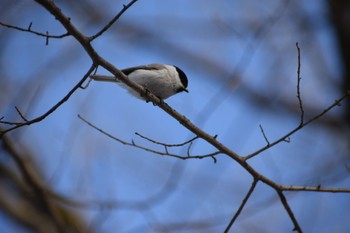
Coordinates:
[162,80]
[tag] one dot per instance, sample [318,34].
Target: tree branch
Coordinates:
[314,189]
[29,29]
[289,211]
[247,196]
[108,25]
[166,152]
[165,144]
[298,88]
[286,136]
[51,110]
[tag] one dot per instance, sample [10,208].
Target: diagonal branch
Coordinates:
[85,43]
[249,193]
[302,123]
[20,114]
[108,25]
[264,135]
[53,108]
[286,136]
[133,144]
[289,211]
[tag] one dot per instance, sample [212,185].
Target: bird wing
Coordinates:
[129,70]
[126,71]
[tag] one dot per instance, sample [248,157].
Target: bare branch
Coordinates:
[108,25]
[133,144]
[286,138]
[52,109]
[189,149]
[86,85]
[298,89]
[29,29]
[247,196]
[165,144]
[8,123]
[289,211]
[314,189]
[21,115]
[263,133]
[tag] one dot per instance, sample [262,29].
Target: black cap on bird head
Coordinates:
[183,79]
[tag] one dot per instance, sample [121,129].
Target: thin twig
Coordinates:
[314,189]
[29,29]
[298,88]
[286,137]
[108,25]
[247,196]
[133,144]
[8,123]
[86,85]
[20,114]
[289,211]
[189,149]
[53,108]
[263,133]
[166,144]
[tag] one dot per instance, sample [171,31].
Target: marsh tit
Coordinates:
[160,79]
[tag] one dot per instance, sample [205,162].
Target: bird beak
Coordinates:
[185,90]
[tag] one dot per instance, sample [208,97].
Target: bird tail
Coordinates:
[104,78]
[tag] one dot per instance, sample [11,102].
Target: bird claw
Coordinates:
[144,96]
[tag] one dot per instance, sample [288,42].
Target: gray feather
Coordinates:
[129,70]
